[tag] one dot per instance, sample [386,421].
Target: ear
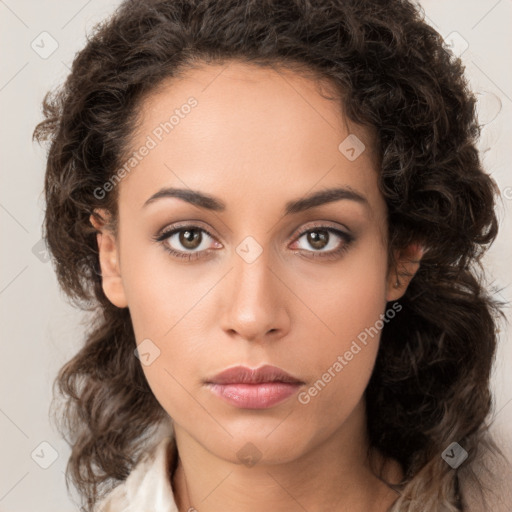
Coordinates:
[111,280]
[406,264]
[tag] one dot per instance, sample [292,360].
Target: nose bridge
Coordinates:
[254,305]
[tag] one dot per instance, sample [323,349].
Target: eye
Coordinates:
[188,242]
[192,242]
[324,242]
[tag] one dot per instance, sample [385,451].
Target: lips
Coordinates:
[261,388]
[244,375]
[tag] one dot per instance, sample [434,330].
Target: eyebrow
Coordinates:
[209,202]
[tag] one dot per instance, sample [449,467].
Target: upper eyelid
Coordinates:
[321,225]
[169,230]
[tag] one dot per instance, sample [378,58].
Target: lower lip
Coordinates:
[254,396]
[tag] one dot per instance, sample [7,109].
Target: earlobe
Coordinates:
[111,279]
[407,263]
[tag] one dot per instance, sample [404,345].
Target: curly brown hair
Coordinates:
[430,384]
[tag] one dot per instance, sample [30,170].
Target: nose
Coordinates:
[255,306]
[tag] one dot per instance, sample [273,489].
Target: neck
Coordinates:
[335,474]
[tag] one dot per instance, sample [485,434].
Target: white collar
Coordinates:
[147,487]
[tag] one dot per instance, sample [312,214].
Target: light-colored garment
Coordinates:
[148,487]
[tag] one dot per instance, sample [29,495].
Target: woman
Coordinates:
[275,211]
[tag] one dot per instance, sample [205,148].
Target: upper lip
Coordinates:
[244,375]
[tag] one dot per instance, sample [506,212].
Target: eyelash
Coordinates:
[190,256]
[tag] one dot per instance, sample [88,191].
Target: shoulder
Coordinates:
[148,485]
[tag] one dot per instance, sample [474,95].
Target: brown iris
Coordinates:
[191,238]
[318,239]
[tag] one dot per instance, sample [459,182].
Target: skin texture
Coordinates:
[257,139]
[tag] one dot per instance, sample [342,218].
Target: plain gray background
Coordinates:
[40,331]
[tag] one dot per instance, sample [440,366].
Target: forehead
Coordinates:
[261,130]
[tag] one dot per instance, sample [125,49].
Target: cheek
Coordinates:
[351,304]
[360,302]
[352,296]
[160,292]
[167,302]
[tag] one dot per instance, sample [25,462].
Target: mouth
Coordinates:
[259,388]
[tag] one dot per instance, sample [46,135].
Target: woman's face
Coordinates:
[260,272]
